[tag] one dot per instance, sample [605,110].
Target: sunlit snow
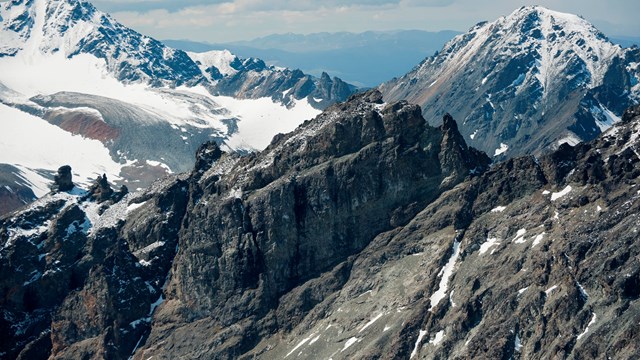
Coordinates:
[35,144]
[557,195]
[488,244]
[416,346]
[501,150]
[445,274]
[593,321]
[438,338]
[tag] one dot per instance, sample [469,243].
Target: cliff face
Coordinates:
[365,233]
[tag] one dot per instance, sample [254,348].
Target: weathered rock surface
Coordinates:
[365,233]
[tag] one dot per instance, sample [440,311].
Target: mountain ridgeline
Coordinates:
[365,233]
[526,82]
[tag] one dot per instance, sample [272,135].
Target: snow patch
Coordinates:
[304,341]
[314,340]
[438,338]
[537,240]
[517,344]
[370,322]
[416,347]
[487,244]
[134,206]
[571,139]
[349,342]
[557,195]
[498,209]
[521,291]
[604,117]
[593,321]
[445,274]
[453,304]
[583,292]
[501,150]
[519,238]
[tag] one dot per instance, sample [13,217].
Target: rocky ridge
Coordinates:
[365,233]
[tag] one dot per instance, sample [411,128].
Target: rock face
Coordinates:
[62,181]
[525,83]
[365,233]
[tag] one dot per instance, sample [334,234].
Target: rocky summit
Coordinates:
[365,233]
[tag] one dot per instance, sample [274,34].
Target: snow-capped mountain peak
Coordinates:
[216,63]
[72,27]
[528,80]
[79,77]
[554,42]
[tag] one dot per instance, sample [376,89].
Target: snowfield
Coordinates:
[32,143]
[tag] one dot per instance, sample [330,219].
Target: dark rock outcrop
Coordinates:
[100,191]
[62,181]
[365,233]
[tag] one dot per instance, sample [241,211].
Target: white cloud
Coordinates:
[230,20]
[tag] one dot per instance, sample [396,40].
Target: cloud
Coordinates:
[231,20]
[255,5]
[150,5]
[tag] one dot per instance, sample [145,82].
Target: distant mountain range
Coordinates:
[525,83]
[366,59]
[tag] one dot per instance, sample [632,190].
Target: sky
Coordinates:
[219,21]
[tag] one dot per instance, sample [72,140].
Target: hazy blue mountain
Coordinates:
[365,59]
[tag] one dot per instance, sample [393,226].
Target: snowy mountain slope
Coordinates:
[32,29]
[88,158]
[73,27]
[150,106]
[529,80]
